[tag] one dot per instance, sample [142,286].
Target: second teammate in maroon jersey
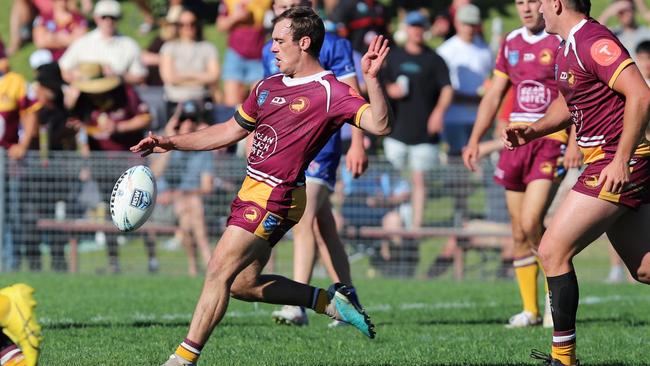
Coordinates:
[604,95]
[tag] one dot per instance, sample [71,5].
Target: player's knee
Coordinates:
[549,258]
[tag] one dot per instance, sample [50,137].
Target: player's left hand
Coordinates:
[572,156]
[356,160]
[372,61]
[614,177]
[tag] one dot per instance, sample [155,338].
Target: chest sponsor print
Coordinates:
[533,96]
[265,142]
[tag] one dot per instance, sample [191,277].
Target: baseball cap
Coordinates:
[469,14]
[109,8]
[39,58]
[416,18]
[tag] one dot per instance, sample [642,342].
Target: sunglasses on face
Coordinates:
[187,24]
[106,17]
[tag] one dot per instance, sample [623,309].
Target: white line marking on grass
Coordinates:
[375,308]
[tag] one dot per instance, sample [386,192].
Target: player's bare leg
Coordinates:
[579,221]
[235,268]
[330,248]
[630,236]
[199,231]
[304,252]
[527,210]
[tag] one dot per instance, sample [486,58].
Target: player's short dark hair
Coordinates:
[643,47]
[581,6]
[305,23]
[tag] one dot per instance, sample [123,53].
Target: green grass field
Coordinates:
[139,320]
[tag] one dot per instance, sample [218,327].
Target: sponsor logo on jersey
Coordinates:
[571,79]
[590,181]
[513,57]
[278,101]
[299,105]
[251,214]
[529,57]
[262,97]
[546,168]
[271,222]
[140,199]
[265,141]
[605,51]
[533,96]
[545,57]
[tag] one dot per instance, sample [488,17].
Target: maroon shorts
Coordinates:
[636,193]
[253,218]
[536,160]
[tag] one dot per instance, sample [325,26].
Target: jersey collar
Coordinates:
[305,79]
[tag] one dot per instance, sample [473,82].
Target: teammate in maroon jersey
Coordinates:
[292,115]
[603,93]
[529,174]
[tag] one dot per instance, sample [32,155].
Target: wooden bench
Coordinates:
[78,226]
[482,236]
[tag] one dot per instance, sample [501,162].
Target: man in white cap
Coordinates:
[119,54]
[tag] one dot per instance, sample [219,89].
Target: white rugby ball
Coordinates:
[133,198]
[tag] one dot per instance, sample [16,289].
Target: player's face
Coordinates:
[287,51]
[279,6]
[546,8]
[529,14]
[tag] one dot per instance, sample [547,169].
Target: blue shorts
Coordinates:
[237,67]
[322,170]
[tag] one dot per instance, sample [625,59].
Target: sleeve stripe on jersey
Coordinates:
[357,117]
[244,120]
[618,71]
[32,108]
[501,74]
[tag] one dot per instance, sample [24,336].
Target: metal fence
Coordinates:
[54,217]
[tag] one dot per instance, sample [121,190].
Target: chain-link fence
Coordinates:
[54,215]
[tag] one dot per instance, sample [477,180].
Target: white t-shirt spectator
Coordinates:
[120,53]
[188,57]
[469,65]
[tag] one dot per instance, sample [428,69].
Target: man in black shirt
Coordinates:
[417,83]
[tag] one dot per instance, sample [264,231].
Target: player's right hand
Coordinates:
[517,135]
[470,155]
[152,144]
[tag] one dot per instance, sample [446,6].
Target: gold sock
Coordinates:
[12,356]
[190,355]
[526,272]
[564,347]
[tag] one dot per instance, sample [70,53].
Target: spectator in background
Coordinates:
[55,31]
[184,177]
[470,63]
[118,54]
[627,31]
[443,23]
[114,118]
[19,125]
[242,20]
[152,91]
[643,59]
[22,15]
[360,21]
[417,82]
[4,62]
[189,66]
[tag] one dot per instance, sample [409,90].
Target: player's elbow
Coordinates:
[385,130]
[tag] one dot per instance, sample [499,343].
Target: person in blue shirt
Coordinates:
[318,222]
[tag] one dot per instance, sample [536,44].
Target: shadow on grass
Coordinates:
[146,324]
[502,321]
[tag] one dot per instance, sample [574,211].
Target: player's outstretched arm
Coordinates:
[377,118]
[210,138]
[557,118]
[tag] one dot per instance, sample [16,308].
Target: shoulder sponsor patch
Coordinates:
[605,51]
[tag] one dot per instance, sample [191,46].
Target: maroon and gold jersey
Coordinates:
[14,100]
[587,66]
[527,61]
[291,119]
